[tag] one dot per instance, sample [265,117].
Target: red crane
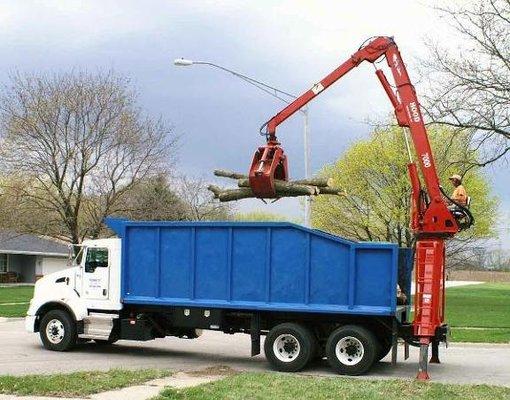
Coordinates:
[432,222]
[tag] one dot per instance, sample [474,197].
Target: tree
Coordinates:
[152,199]
[79,143]
[373,173]
[198,202]
[17,212]
[470,84]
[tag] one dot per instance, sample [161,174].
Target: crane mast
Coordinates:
[431,220]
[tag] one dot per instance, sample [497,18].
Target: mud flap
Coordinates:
[255,334]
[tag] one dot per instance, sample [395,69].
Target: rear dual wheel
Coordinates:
[352,349]
[289,347]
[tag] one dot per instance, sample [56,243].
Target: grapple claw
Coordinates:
[269,163]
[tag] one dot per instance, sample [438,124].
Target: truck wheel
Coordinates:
[351,349]
[58,331]
[289,347]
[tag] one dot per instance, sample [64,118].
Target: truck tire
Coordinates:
[351,349]
[289,347]
[58,330]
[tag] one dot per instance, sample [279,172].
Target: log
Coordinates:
[285,187]
[235,194]
[229,174]
[318,181]
[331,190]
[302,187]
[246,192]
[215,189]
[315,182]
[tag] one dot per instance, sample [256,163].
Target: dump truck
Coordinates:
[309,293]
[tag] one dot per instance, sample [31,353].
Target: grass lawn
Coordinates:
[78,384]
[16,294]
[295,387]
[484,308]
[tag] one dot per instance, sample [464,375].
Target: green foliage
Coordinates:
[17,294]
[78,384]
[261,216]
[276,386]
[373,172]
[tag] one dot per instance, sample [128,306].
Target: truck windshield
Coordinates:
[96,258]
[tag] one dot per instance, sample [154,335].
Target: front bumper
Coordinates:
[30,323]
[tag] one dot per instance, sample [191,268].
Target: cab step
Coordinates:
[98,326]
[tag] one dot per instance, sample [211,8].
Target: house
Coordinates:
[26,258]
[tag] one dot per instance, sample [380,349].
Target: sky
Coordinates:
[288,44]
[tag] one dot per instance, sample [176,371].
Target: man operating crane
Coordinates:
[459,194]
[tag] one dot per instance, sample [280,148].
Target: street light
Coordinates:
[277,93]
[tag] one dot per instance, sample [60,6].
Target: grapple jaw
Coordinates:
[269,163]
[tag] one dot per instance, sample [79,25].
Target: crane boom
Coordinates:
[431,220]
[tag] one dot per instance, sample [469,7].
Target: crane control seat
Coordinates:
[462,213]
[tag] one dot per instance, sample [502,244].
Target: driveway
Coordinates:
[22,353]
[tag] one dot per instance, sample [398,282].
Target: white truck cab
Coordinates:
[80,302]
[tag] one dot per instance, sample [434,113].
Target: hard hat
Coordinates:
[456,176]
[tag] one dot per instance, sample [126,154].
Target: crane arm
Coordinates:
[431,220]
[426,218]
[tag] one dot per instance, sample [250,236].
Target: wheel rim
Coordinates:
[55,331]
[349,350]
[286,347]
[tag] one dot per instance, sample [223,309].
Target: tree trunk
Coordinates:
[246,192]
[302,187]
[229,174]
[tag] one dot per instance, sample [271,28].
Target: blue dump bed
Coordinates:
[254,266]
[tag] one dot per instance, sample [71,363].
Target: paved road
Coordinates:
[22,353]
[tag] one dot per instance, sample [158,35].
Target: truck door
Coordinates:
[96,274]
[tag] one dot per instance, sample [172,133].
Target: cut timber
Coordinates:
[229,174]
[230,194]
[331,190]
[246,192]
[319,182]
[302,187]
[315,182]
[283,187]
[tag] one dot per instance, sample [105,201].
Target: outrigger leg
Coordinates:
[434,359]
[423,362]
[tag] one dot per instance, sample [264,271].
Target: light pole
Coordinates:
[277,93]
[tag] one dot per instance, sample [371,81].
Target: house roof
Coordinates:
[17,243]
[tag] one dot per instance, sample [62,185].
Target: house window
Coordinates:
[3,262]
